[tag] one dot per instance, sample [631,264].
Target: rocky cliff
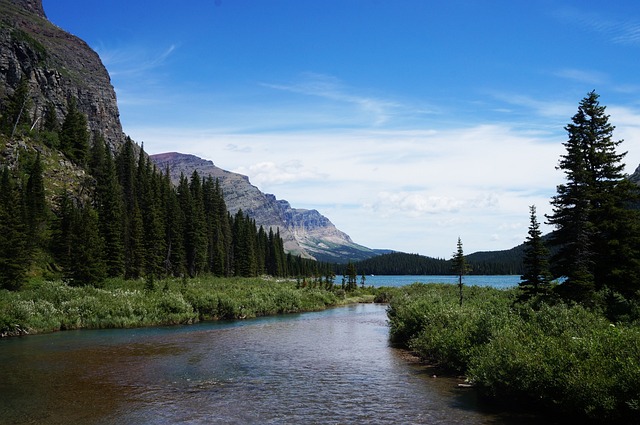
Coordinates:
[58,66]
[304,232]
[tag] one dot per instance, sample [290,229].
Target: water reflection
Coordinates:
[331,367]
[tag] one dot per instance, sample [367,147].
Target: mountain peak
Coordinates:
[33,6]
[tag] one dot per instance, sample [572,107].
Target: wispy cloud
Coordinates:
[331,88]
[583,76]
[621,31]
[134,60]
[541,107]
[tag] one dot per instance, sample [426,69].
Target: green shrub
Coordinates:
[560,357]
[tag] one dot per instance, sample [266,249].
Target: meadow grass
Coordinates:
[47,306]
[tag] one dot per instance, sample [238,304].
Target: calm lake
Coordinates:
[330,367]
[498,281]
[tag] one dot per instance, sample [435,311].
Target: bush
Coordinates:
[567,358]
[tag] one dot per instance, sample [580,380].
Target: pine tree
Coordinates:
[174,258]
[51,119]
[536,279]
[61,230]
[352,277]
[37,211]
[109,206]
[74,135]
[15,114]
[196,237]
[596,231]
[13,251]
[133,227]
[459,266]
[86,263]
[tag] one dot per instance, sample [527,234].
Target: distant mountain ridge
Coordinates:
[304,232]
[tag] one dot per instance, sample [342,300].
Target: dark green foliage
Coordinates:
[74,135]
[51,122]
[564,359]
[109,205]
[400,263]
[13,235]
[15,114]
[350,277]
[536,280]
[37,212]
[85,263]
[596,231]
[128,220]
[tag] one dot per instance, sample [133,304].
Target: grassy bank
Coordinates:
[47,306]
[565,359]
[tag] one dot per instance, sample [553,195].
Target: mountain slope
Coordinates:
[304,232]
[57,67]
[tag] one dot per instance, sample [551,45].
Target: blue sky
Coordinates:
[407,123]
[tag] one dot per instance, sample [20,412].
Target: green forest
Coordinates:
[119,216]
[480,263]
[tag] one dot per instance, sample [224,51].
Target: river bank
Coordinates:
[559,358]
[50,306]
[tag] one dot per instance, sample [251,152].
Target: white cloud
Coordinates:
[409,190]
[266,174]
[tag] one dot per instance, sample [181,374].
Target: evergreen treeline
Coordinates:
[399,263]
[126,219]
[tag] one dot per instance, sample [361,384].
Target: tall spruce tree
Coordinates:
[36,209]
[109,206]
[15,113]
[459,266]
[174,258]
[86,264]
[536,279]
[13,235]
[74,135]
[596,230]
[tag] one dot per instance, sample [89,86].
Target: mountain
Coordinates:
[58,66]
[304,232]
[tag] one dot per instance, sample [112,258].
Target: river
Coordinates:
[329,367]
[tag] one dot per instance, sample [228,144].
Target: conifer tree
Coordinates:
[86,264]
[74,135]
[459,266]
[596,232]
[174,258]
[37,211]
[51,122]
[61,230]
[13,252]
[15,114]
[352,277]
[109,206]
[155,243]
[244,258]
[536,279]
[195,238]
[133,228]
